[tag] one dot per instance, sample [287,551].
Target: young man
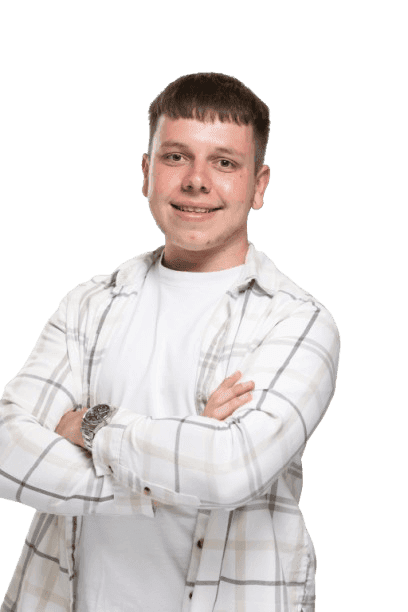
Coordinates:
[162,482]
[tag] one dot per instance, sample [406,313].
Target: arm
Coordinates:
[229,396]
[226,464]
[38,467]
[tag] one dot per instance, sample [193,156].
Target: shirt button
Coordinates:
[146,491]
[200,543]
[191,595]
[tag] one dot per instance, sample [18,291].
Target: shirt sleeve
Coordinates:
[38,467]
[225,464]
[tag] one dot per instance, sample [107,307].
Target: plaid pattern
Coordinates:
[251,549]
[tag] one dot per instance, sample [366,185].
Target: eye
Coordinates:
[174,157]
[227,164]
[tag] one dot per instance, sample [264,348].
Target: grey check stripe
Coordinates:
[40,458]
[314,347]
[51,382]
[57,327]
[46,400]
[44,556]
[294,350]
[286,399]
[260,491]
[209,360]
[223,553]
[244,307]
[53,494]
[177,458]
[260,582]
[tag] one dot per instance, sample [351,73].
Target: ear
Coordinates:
[261,183]
[145,168]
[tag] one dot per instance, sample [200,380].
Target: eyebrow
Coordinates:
[181,145]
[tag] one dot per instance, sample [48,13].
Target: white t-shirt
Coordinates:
[136,563]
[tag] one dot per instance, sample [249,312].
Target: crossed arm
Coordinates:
[228,397]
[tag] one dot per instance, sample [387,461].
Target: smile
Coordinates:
[194,209]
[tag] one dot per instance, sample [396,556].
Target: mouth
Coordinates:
[195,209]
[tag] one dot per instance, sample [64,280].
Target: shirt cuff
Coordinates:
[108,440]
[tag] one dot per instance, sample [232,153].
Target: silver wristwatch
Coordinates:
[93,420]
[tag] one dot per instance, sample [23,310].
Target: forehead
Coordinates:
[208,134]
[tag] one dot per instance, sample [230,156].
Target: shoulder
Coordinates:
[285,297]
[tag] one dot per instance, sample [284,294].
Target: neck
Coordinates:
[203,261]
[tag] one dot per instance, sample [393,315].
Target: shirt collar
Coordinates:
[257,267]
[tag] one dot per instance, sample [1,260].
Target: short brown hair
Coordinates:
[208,95]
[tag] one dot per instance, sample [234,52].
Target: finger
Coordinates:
[240,388]
[236,390]
[239,401]
[223,396]
[230,380]
[227,409]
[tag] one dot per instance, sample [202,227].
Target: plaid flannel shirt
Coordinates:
[243,474]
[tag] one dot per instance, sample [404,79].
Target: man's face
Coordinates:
[203,166]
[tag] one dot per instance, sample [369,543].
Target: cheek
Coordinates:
[229,185]
[248,188]
[163,183]
[238,189]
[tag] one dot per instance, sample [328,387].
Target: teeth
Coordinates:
[194,210]
[198,210]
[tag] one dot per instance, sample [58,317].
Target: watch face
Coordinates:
[104,410]
[98,413]
[92,416]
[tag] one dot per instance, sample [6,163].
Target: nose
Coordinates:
[196,179]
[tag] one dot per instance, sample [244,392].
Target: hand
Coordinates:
[69,427]
[229,396]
